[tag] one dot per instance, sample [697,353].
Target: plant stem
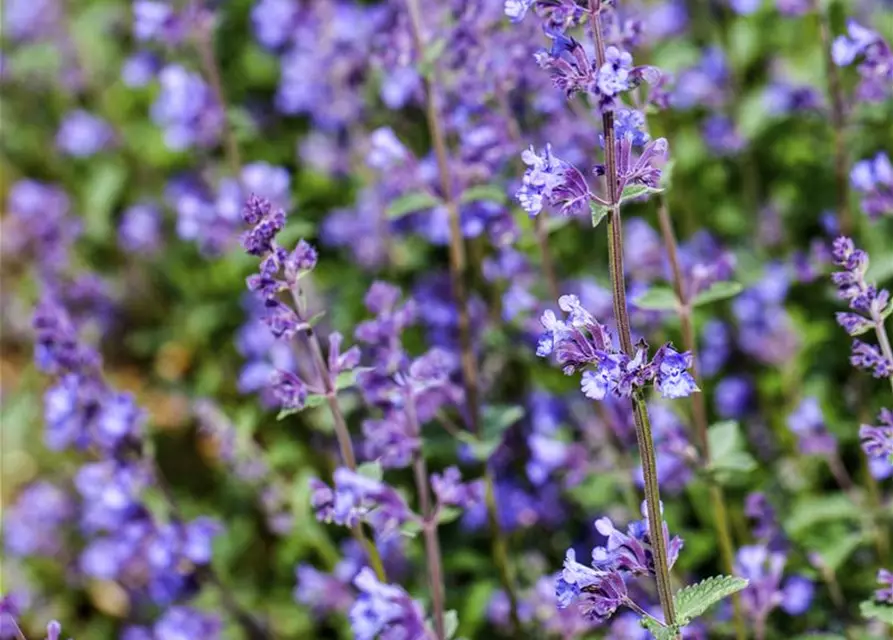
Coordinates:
[699,409]
[457,279]
[640,411]
[883,340]
[344,441]
[838,123]
[432,542]
[204,39]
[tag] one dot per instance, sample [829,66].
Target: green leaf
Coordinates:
[633,191]
[412,202]
[495,420]
[717,291]
[348,379]
[657,299]
[877,611]
[104,189]
[411,528]
[729,459]
[813,511]
[488,192]
[312,401]
[450,623]
[659,631]
[695,599]
[430,56]
[598,211]
[371,470]
[666,174]
[448,514]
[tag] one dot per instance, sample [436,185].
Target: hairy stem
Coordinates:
[838,123]
[457,279]
[699,409]
[429,528]
[644,436]
[883,339]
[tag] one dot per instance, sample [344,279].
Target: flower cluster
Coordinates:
[600,591]
[873,178]
[870,304]
[581,342]
[877,441]
[876,60]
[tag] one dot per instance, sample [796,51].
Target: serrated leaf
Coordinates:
[659,631]
[598,211]
[450,623]
[695,599]
[877,611]
[717,291]
[634,191]
[485,192]
[371,470]
[657,299]
[412,202]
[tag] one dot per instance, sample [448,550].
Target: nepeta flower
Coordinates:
[140,229]
[385,612]
[877,441]
[82,134]
[808,423]
[873,178]
[452,492]
[631,551]
[550,180]
[876,66]
[186,109]
[33,525]
[885,594]
[598,594]
[583,342]
[357,498]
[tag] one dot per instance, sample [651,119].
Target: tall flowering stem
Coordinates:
[838,122]
[460,294]
[644,435]
[341,431]
[699,408]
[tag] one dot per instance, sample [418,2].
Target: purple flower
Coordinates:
[673,379]
[598,594]
[140,229]
[797,595]
[885,594]
[266,222]
[876,65]
[808,423]
[288,389]
[34,524]
[452,492]
[357,498]
[179,623]
[873,178]
[877,441]
[550,180]
[385,612]
[322,592]
[848,47]
[139,69]
[274,21]
[631,551]
[82,134]
[733,397]
[186,109]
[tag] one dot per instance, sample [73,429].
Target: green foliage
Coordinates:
[877,611]
[693,600]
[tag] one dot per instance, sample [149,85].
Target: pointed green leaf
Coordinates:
[371,470]
[450,623]
[717,291]
[412,202]
[448,514]
[695,599]
[659,631]
[313,400]
[729,458]
[877,611]
[598,211]
[634,191]
[657,299]
[488,192]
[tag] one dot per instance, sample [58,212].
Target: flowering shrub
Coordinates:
[428,320]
